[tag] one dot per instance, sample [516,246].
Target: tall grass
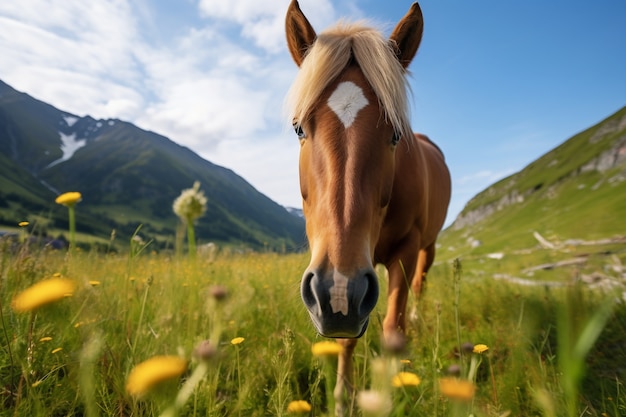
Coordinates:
[72,357]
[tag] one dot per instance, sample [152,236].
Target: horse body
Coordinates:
[373,192]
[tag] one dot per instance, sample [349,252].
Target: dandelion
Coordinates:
[189,206]
[153,371]
[69,200]
[23,224]
[374,403]
[237,341]
[326,348]
[480,348]
[299,406]
[457,389]
[405,379]
[42,293]
[94,283]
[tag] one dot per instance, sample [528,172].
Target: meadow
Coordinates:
[237,323]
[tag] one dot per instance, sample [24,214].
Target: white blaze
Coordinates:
[339,294]
[346,101]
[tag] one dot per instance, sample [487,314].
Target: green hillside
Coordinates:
[569,203]
[128,177]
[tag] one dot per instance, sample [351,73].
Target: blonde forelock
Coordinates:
[328,57]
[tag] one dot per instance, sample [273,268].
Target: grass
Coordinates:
[542,357]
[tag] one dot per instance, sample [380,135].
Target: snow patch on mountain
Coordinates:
[70,120]
[69,145]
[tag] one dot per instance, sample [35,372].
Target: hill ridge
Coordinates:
[608,138]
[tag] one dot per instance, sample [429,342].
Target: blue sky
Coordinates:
[496,83]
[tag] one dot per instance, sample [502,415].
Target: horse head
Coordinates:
[349,109]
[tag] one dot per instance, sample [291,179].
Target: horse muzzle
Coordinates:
[339,305]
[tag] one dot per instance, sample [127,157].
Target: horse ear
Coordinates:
[407,35]
[300,33]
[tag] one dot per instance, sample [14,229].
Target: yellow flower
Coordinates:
[458,389]
[481,348]
[299,406]
[45,339]
[326,348]
[57,350]
[42,293]
[237,340]
[405,379]
[69,199]
[94,283]
[23,224]
[151,372]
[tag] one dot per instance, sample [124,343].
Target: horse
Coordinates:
[373,192]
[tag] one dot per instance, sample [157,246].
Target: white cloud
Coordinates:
[217,93]
[263,21]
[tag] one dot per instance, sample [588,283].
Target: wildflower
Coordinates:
[326,348]
[205,350]
[405,379]
[458,389]
[57,350]
[153,371]
[69,199]
[189,206]
[23,224]
[45,339]
[374,403]
[42,293]
[395,343]
[218,292]
[467,347]
[237,341]
[454,369]
[480,348]
[94,283]
[299,406]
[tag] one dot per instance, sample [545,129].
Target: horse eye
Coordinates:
[395,139]
[298,129]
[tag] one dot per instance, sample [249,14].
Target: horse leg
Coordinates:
[401,271]
[344,388]
[425,259]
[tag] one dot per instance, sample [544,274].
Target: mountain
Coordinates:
[575,192]
[127,176]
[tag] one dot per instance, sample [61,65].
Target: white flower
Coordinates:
[374,403]
[190,204]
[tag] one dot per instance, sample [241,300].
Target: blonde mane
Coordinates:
[328,57]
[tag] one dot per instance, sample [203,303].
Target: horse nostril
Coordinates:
[370,297]
[308,293]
